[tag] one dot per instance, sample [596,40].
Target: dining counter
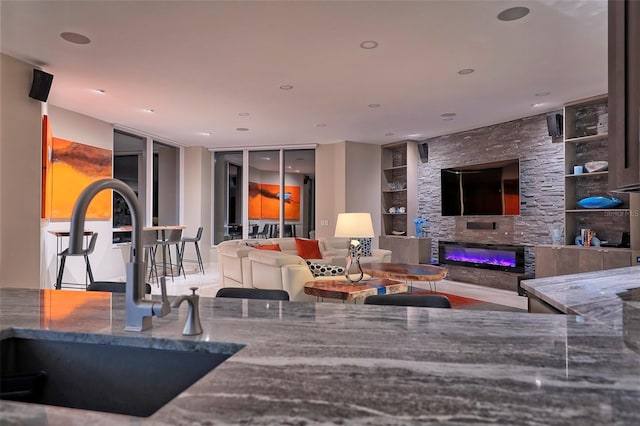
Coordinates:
[322,363]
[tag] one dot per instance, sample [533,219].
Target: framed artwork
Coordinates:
[68,168]
[264,201]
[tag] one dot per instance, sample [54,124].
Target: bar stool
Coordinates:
[86,252]
[174,238]
[149,242]
[194,240]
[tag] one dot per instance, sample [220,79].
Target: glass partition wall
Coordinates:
[263,194]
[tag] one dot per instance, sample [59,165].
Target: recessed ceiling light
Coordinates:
[374,105]
[75,38]
[466,71]
[448,114]
[98,91]
[244,114]
[513,13]
[321,125]
[205,133]
[242,129]
[543,94]
[447,119]
[389,134]
[286,87]
[415,135]
[369,44]
[536,105]
[149,110]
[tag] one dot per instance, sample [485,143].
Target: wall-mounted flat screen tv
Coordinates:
[481,189]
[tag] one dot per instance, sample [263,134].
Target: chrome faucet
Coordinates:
[192,326]
[138,310]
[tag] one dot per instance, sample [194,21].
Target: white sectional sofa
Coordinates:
[241,265]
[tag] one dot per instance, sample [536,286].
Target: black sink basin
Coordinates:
[115,374]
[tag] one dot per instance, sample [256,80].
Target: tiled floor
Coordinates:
[208,284]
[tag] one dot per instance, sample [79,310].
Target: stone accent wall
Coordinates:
[541,189]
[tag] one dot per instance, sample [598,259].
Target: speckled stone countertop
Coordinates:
[329,363]
[593,295]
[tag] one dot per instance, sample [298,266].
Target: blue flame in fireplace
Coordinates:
[481,256]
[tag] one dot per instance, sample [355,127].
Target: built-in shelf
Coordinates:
[589,138]
[597,210]
[399,170]
[586,175]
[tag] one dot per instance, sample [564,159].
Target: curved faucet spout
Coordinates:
[82,204]
[138,310]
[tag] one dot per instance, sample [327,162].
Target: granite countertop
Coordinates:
[593,294]
[330,363]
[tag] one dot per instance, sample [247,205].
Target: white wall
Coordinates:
[363,182]
[107,262]
[347,180]
[20,176]
[197,200]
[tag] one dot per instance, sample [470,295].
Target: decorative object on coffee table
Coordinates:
[599,202]
[352,226]
[596,166]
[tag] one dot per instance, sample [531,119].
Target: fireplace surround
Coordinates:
[500,257]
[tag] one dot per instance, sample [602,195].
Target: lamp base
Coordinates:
[353,253]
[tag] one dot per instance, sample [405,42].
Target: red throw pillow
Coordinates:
[274,247]
[308,249]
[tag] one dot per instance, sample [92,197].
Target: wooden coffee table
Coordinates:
[345,291]
[407,272]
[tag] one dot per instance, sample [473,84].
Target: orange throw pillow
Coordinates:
[308,249]
[274,247]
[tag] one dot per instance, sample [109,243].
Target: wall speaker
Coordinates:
[41,85]
[554,124]
[423,150]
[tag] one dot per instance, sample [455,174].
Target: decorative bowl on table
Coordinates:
[596,166]
[599,202]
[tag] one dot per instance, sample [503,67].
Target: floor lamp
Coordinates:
[354,225]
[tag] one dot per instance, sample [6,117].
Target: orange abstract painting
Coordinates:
[264,201]
[70,168]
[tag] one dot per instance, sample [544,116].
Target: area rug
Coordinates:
[461,302]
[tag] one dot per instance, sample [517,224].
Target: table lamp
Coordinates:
[354,225]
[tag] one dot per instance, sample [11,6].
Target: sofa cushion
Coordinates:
[308,249]
[274,247]
[365,246]
[320,270]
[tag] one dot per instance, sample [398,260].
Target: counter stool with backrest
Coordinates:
[149,242]
[173,239]
[426,300]
[195,241]
[252,293]
[86,252]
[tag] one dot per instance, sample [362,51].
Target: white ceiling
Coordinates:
[199,64]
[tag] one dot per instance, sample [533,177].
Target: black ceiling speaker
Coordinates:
[423,150]
[554,124]
[41,85]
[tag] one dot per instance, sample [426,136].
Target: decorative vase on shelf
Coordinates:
[419,222]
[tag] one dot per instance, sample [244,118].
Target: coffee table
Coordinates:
[345,291]
[407,272]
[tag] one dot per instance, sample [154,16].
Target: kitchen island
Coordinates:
[308,363]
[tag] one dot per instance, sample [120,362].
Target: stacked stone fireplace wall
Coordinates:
[541,191]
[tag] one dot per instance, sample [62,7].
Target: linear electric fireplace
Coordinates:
[501,257]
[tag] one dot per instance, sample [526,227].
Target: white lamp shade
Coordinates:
[354,225]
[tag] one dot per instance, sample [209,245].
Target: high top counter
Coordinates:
[307,363]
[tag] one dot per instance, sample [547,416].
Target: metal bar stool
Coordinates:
[85,253]
[194,240]
[173,238]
